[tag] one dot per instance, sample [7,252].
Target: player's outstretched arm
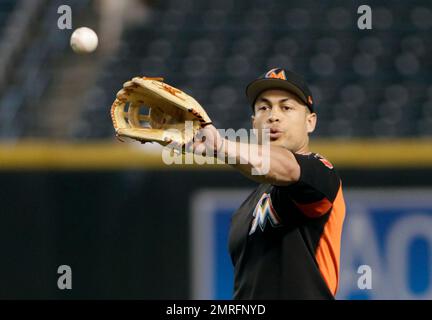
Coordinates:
[282,168]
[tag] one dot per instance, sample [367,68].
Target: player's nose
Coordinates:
[274,117]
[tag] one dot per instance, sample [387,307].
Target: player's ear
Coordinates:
[311,120]
[253,121]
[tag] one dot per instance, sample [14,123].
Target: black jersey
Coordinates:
[284,242]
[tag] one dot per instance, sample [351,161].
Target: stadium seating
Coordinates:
[369,83]
[366,83]
[6,7]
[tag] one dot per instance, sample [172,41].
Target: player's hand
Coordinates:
[207,141]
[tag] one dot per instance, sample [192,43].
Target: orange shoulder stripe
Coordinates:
[315,209]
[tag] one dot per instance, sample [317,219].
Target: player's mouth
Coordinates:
[275,134]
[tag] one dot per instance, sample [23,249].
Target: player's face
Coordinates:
[288,119]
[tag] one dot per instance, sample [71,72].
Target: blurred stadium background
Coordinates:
[128,225]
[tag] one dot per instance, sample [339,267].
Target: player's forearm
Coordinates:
[237,155]
[263,164]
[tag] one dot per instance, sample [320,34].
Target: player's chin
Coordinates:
[277,142]
[281,142]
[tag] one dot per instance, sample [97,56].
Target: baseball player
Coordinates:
[285,238]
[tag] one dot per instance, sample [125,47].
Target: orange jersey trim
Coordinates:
[328,251]
[315,209]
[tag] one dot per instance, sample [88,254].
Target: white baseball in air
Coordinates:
[84,40]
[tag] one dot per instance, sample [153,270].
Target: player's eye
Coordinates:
[287,108]
[263,108]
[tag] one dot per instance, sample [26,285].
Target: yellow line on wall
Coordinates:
[85,156]
[370,153]
[407,153]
